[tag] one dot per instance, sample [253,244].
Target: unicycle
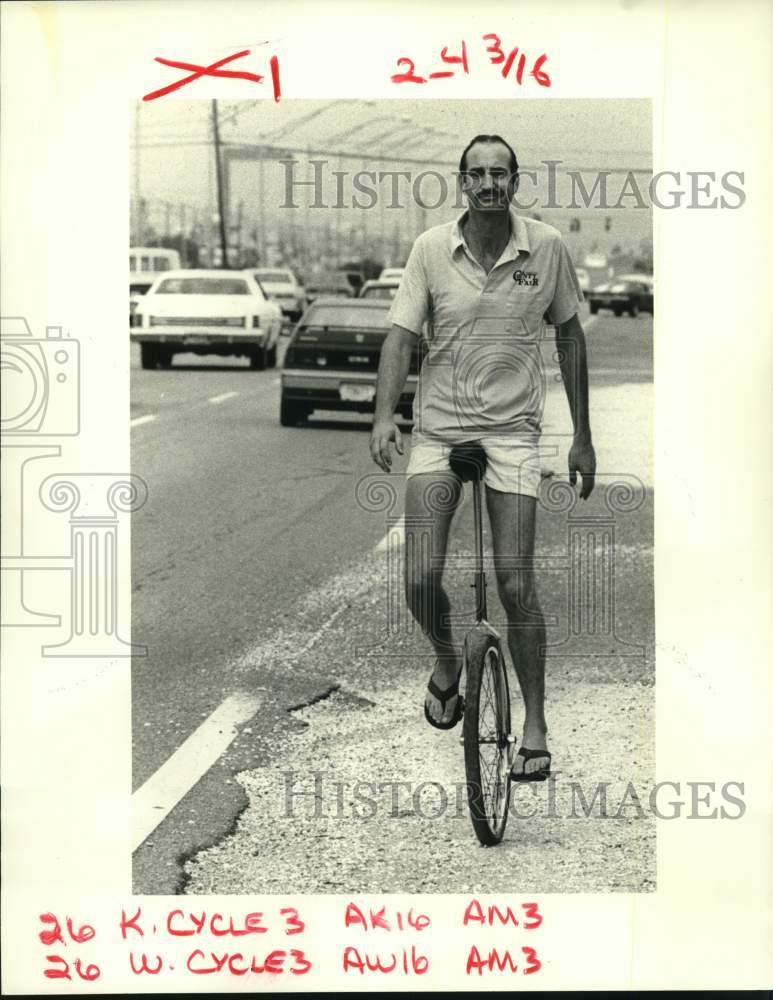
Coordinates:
[486,730]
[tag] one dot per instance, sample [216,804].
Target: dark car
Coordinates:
[622,296]
[332,360]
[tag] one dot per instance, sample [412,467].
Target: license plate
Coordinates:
[358,393]
[197,340]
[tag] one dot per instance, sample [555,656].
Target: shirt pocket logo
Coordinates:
[526,278]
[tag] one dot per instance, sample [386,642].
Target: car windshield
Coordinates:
[203,286]
[347,315]
[140,288]
[329,288]
[275,277]
[621,286]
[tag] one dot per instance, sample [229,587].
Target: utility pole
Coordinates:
[138,234]
[239,230]
[262,246]
[219,184]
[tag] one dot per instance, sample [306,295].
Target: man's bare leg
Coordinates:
[513,518]
[430,502]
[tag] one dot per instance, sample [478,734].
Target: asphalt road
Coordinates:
[260,591]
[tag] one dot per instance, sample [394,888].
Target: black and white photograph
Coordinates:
[385,599]
[391,395]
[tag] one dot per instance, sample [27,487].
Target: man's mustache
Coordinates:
[496,195]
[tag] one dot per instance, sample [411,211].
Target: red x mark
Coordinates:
[214,70]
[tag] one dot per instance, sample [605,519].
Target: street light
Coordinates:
[277,133]
[348,133]
[392,132]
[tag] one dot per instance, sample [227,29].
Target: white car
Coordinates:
[583,278]
[206,312]
[391,274]
[379,289]
[645,279]
[281,285]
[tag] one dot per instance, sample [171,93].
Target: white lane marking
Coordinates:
[142,420]
[222,397]
[153,802]
[396,532]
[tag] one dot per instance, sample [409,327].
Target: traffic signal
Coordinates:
[574,225]
[607,223]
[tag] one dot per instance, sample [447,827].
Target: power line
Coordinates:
[561,168]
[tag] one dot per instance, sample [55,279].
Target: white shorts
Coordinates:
[513,464]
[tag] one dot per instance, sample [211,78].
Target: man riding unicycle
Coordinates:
[484,286]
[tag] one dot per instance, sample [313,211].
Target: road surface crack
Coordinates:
[322,696]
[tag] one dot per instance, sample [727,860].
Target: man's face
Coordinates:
[487,182]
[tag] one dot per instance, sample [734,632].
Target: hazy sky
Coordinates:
[595,133]
[176,163]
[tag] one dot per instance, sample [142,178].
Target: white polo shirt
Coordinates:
[483,373]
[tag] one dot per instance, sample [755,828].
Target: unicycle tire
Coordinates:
[486,736]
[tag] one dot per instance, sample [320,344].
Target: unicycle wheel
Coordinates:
[486,736]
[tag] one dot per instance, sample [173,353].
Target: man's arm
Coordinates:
[573,359]
[392,372]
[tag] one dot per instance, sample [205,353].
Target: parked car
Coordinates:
[206,312]
[332,360]
[391,273]
[379,289]
[646,279]
[649,282]
[622,296]
[328,284]
[281,285]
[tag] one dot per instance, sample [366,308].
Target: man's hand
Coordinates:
[582,459]
[384,432]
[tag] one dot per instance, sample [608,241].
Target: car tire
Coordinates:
[148,355]
[594,308]
[633,312]
[291,413]
[258,359]
[271,357]
[165,357]
[617,311]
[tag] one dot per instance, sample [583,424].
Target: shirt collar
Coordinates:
[518,242]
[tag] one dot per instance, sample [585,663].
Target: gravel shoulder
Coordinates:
[359,794]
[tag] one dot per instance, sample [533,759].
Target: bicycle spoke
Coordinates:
[486,745]
[490,734]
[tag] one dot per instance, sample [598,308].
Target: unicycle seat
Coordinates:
[468,461]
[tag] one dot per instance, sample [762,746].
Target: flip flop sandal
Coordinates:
[541,775]
[443,697]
